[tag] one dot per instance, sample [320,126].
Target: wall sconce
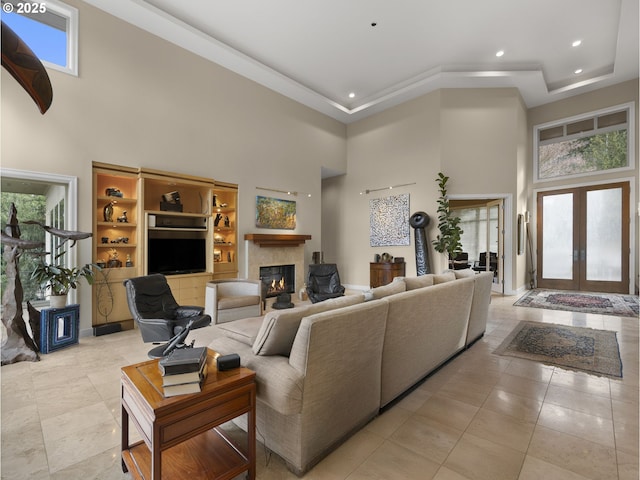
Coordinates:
[369,190]
[286,192]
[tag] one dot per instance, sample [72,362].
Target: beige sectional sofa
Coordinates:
[325,370]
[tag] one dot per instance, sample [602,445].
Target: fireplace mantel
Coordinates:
[276,240]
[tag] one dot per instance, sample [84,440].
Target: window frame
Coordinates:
[70,14]
[630,128]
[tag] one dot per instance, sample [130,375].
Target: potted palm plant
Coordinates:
[448,241]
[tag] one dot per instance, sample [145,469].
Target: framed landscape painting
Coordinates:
[275,213]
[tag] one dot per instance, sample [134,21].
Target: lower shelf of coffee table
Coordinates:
[206,456]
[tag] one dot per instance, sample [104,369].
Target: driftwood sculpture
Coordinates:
[20,345]
[23,65]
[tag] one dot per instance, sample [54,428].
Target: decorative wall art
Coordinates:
[275,213]
[389,221]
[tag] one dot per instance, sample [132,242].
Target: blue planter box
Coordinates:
[59,327]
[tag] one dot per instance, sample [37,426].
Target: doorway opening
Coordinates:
[483,221]
[47,198]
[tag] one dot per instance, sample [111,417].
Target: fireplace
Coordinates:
[278,279]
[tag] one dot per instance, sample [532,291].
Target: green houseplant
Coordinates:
[62,279]
[448,241]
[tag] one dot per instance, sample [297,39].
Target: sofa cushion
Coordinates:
[396,286]
[279,328]
[467,272]
[244,330]
[225,303]
[419,282]
[444,277]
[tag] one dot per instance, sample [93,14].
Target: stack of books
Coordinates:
[183,371]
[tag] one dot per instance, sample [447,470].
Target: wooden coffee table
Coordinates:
[180,438]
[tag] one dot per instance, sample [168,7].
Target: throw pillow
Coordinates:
[390,289]
[419,282]
[279,328]
[444,277]
[467,272]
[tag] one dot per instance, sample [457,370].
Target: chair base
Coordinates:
[157,352]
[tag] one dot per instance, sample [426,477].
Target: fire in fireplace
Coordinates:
[278,279]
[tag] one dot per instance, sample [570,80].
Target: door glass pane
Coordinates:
[604,235]
[557,241]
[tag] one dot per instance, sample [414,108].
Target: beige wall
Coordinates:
[481,138]
[141,101]
[470,135]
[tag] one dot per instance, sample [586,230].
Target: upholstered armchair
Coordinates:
[233,299]
[323,282]
[156,312]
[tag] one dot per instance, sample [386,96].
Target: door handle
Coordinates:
[583,255]
[575,255]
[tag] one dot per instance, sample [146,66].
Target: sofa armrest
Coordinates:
[278,384]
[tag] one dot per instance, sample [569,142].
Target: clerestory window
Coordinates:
[585,145]
[49,28]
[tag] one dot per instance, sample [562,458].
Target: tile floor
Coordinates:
[481,417]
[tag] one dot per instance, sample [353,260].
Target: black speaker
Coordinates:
[228,362]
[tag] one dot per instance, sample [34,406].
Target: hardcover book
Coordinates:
[182,389]
[183,360]
[180,378]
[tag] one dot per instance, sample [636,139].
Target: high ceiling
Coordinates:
[385,52]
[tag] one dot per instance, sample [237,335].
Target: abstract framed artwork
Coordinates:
[275,213]
[389,221]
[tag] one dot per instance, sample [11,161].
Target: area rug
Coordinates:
[602,303]
[574,348]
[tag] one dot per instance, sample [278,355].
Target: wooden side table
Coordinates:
[180,438]
[382,273]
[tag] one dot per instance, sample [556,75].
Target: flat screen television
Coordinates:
[173,256]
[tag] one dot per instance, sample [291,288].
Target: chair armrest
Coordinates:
[185,311]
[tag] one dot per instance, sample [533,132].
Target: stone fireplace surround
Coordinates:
[264,250]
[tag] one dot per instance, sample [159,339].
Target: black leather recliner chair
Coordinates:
[156,312]
[323,282]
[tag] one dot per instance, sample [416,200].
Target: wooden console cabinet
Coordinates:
[382,273]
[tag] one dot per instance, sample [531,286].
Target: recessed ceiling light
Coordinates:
[352,95]
[499,53]
[578,71]
[577,43]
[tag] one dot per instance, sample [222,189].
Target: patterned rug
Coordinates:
[574,348]
[602,303]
